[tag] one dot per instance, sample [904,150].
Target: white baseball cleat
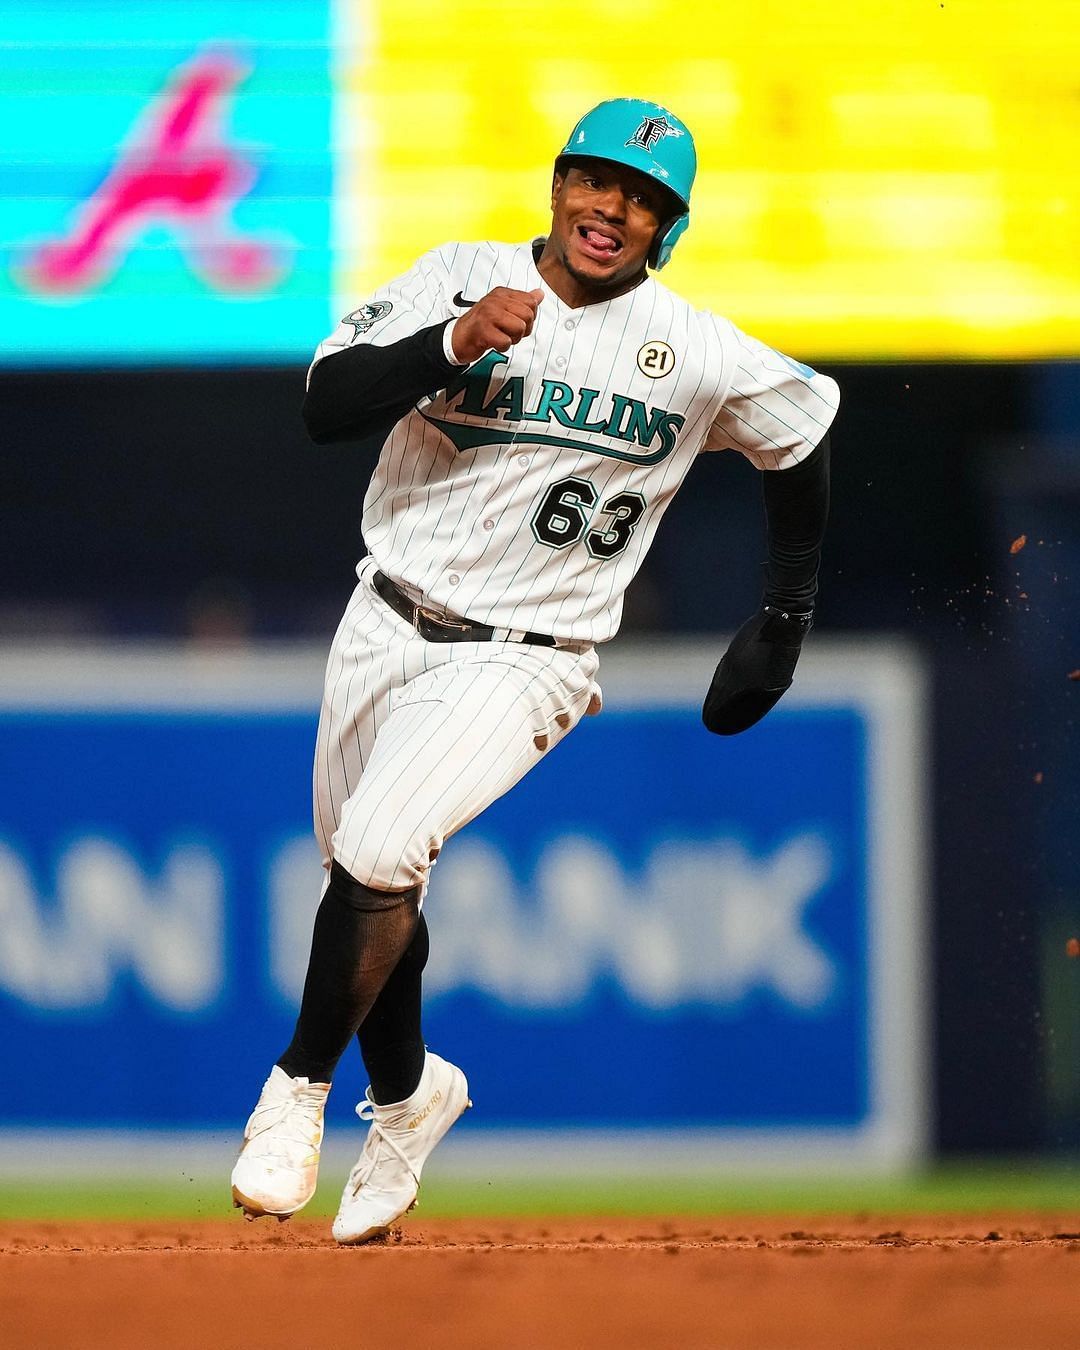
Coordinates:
[278,1165]
[382,1186]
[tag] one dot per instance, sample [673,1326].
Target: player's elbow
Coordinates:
[320,411]
[335,406]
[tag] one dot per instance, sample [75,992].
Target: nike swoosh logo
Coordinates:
[461,302]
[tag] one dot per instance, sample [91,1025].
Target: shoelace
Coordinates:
[298,1113]
[363,1170]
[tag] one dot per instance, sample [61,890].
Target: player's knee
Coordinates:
[388,844]
[361,895]
[393,864]
[383,875]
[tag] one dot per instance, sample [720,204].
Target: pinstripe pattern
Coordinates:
[453,526]
[416,738]
[773,414]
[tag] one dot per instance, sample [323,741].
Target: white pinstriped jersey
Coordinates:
[526,494]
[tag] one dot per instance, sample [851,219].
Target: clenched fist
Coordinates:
[502,318]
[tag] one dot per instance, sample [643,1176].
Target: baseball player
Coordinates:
[539,405]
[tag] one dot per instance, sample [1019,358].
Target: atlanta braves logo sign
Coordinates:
[179,168]
[650,130]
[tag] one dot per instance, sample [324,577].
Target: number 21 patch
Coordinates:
[656,359]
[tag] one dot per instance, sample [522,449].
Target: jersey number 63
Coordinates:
[564,514]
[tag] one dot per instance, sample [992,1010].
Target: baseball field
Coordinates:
[965,1256]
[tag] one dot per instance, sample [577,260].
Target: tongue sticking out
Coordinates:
[600,241]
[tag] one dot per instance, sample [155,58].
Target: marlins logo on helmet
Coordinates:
[650,130]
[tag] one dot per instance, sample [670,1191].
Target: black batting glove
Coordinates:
[755,670]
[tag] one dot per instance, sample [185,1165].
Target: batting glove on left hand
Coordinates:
[755,671]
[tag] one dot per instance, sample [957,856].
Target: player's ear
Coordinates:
[557,181]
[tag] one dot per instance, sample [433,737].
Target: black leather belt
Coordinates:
[434,628]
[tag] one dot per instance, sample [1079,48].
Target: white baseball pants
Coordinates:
[416,738]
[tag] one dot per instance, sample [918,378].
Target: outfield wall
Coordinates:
[652,907]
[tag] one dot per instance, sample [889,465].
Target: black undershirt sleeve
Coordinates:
[362,391]
[796,509]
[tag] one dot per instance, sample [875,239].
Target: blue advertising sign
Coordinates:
[657,929]
[165,181]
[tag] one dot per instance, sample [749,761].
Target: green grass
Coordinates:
[951,1188]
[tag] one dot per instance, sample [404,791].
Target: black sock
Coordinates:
[360,936]
[390,1037]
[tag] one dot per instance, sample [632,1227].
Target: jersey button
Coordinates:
[489,524]
[523,460]
[569,325]
[453,578]
[560,361]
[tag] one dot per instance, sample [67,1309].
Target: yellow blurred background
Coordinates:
[876,179]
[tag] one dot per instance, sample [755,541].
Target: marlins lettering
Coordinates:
[621,418]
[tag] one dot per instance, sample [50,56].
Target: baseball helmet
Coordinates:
[646,137]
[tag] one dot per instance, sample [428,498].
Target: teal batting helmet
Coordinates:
[646,137]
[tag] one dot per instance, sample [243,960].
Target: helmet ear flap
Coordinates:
[667,236]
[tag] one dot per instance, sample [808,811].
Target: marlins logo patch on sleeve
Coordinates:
[367,316]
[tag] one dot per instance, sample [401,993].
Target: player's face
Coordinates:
[604,220]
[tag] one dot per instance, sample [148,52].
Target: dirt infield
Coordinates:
[750,1283]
